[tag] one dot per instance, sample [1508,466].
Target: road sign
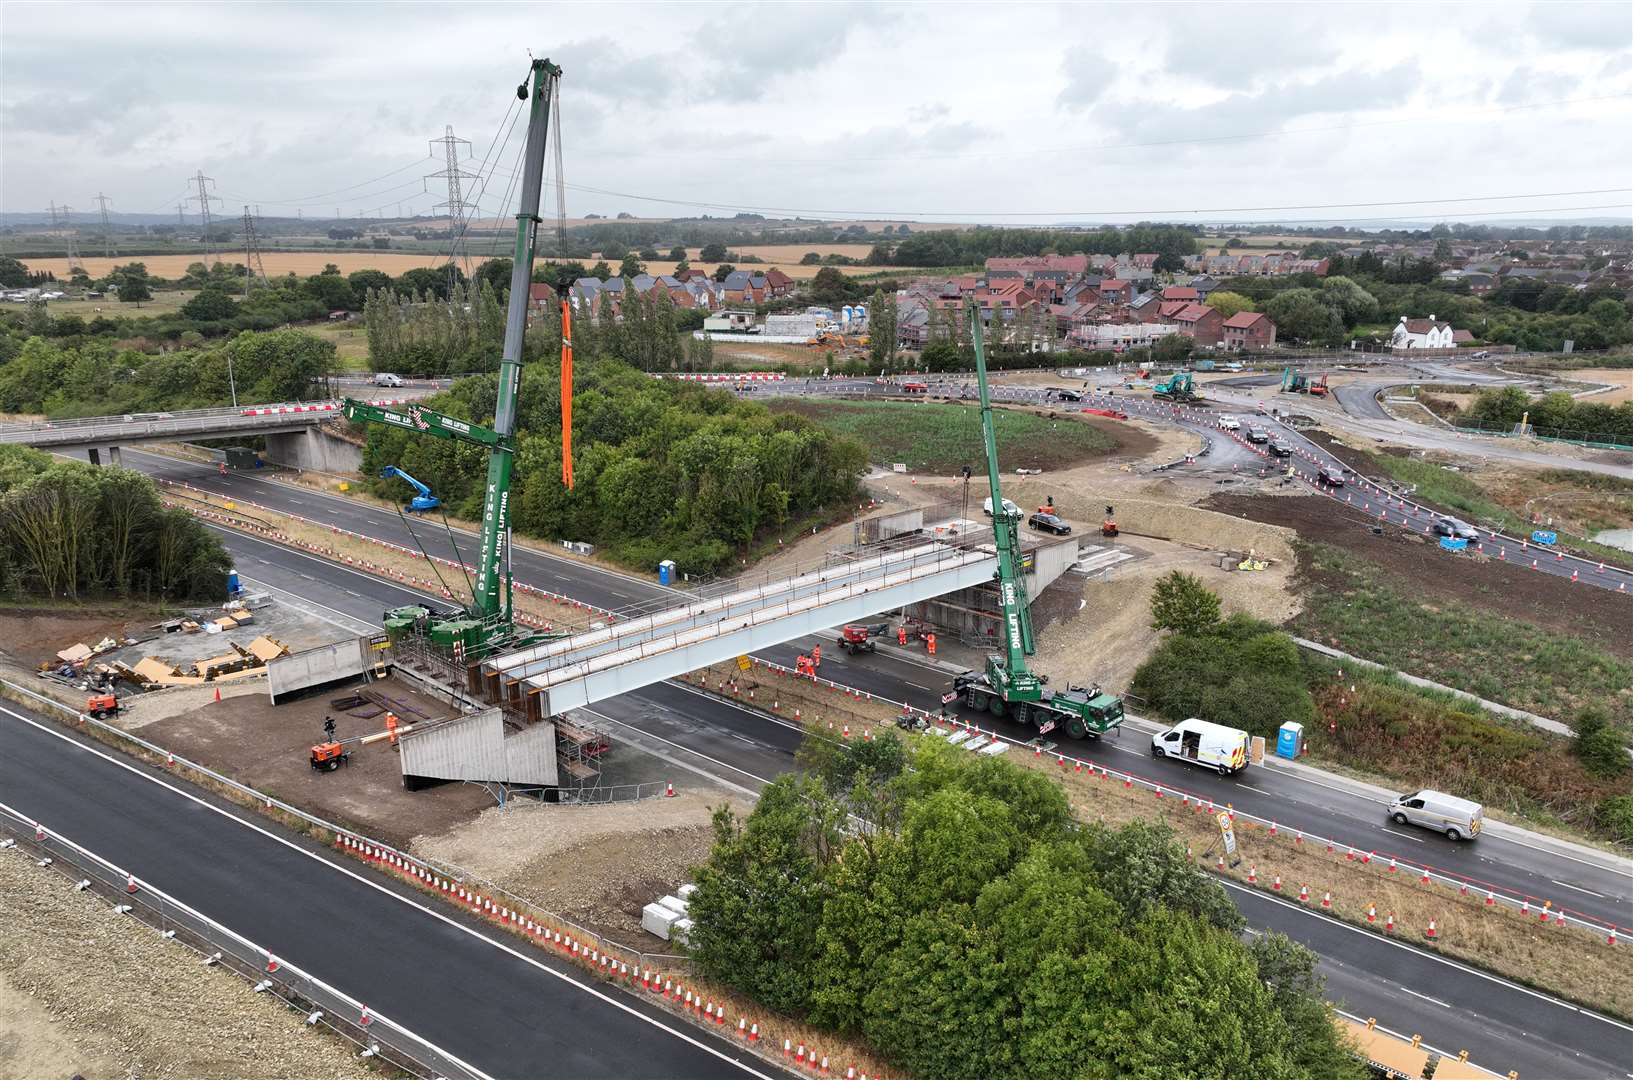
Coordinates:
[949,697]
[744,663]
[1228,833]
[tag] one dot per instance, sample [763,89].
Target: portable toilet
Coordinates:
[1290,740]
[233,588]
[666,572]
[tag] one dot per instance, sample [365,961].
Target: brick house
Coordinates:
[1116,291]
[1249,330]
[1182,292]
[778,283]
[1203,323]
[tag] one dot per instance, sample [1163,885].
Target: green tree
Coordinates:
[362,281]
[677,254]
[1353,303]
[1600,747]
[601,270]
[1229,303]
[830,287]
[1301,315]
[712,253]
[630,267]
[811,258]
[211,304]
[13,274]
[882,327]
[1175,348]
[724,271]
[134,291]
[1182,604]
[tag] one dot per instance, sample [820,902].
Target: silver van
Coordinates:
[1459,819]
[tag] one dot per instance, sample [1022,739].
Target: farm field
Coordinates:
[1622,377]
[277,263]
[940,438]
[351,343]
[163,303]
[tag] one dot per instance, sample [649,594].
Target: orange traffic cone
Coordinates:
[218,693]
[1430,933]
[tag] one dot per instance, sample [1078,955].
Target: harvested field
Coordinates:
[1621,377]
[84,992]
[1421,570]
[277,263]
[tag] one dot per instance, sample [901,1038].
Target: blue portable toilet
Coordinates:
[233,588]
[1290,740]
[666,572]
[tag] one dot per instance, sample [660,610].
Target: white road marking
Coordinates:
[1426,997]
[1578,888]
[1394,832]
[400,898]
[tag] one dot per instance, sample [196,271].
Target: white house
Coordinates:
[1422,334]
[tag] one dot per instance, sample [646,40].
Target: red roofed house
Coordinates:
[1181,292]
[1249,330]
[778,283]
[1145,260]
[1203,323]
[1115,291]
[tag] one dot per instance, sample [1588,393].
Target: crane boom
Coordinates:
[490,614]
[1018,644]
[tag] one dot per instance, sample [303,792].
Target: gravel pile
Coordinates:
[122,1002]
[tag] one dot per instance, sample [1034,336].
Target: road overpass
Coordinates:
[1506,1026]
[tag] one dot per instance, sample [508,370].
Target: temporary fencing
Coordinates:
[376,1035]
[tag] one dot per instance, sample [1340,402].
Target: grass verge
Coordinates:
[940,438]
[1355,606]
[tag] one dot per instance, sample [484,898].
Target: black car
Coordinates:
[1049,523]
[1330,477]
[1257,435]
[1281,449]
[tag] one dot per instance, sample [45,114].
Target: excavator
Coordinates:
[1177,387]
[1008,687]
[421,502]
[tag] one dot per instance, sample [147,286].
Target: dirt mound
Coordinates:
[1424,571]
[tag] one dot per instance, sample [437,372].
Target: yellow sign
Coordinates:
[1227,833]
[744,663]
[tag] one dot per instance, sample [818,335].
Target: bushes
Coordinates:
[662,470]
[1242,673]
[984,936]
[1599,746]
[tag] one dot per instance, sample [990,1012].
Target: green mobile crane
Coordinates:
[1008,687]
[488,623]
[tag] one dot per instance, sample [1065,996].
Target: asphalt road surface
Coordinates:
[511,1011]
[1453,1007]
[1296,803]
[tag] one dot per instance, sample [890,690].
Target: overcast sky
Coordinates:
[937,111]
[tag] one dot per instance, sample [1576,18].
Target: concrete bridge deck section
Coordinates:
[590,667]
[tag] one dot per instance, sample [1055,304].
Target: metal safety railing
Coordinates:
[376,1035]
[352,839]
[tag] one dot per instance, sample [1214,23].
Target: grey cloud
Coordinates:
[1526,85]
[1578,25]
[1232,45]
[1089,76]
[750,48]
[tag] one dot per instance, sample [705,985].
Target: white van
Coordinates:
[1459,819]
[386,378]
[1213,745]
[1010,508]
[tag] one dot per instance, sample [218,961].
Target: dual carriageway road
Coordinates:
[1512,1026]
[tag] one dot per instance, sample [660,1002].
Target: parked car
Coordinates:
[1481,355]
[1049,523]
[1330,477]
[1257,435]
[1455,528]
[1280,448]
[1010,509]
[1212,745]
[1459,819]
[1228,422]
[386,378]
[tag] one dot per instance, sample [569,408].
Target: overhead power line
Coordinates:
[1437,116]
[1088,213]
